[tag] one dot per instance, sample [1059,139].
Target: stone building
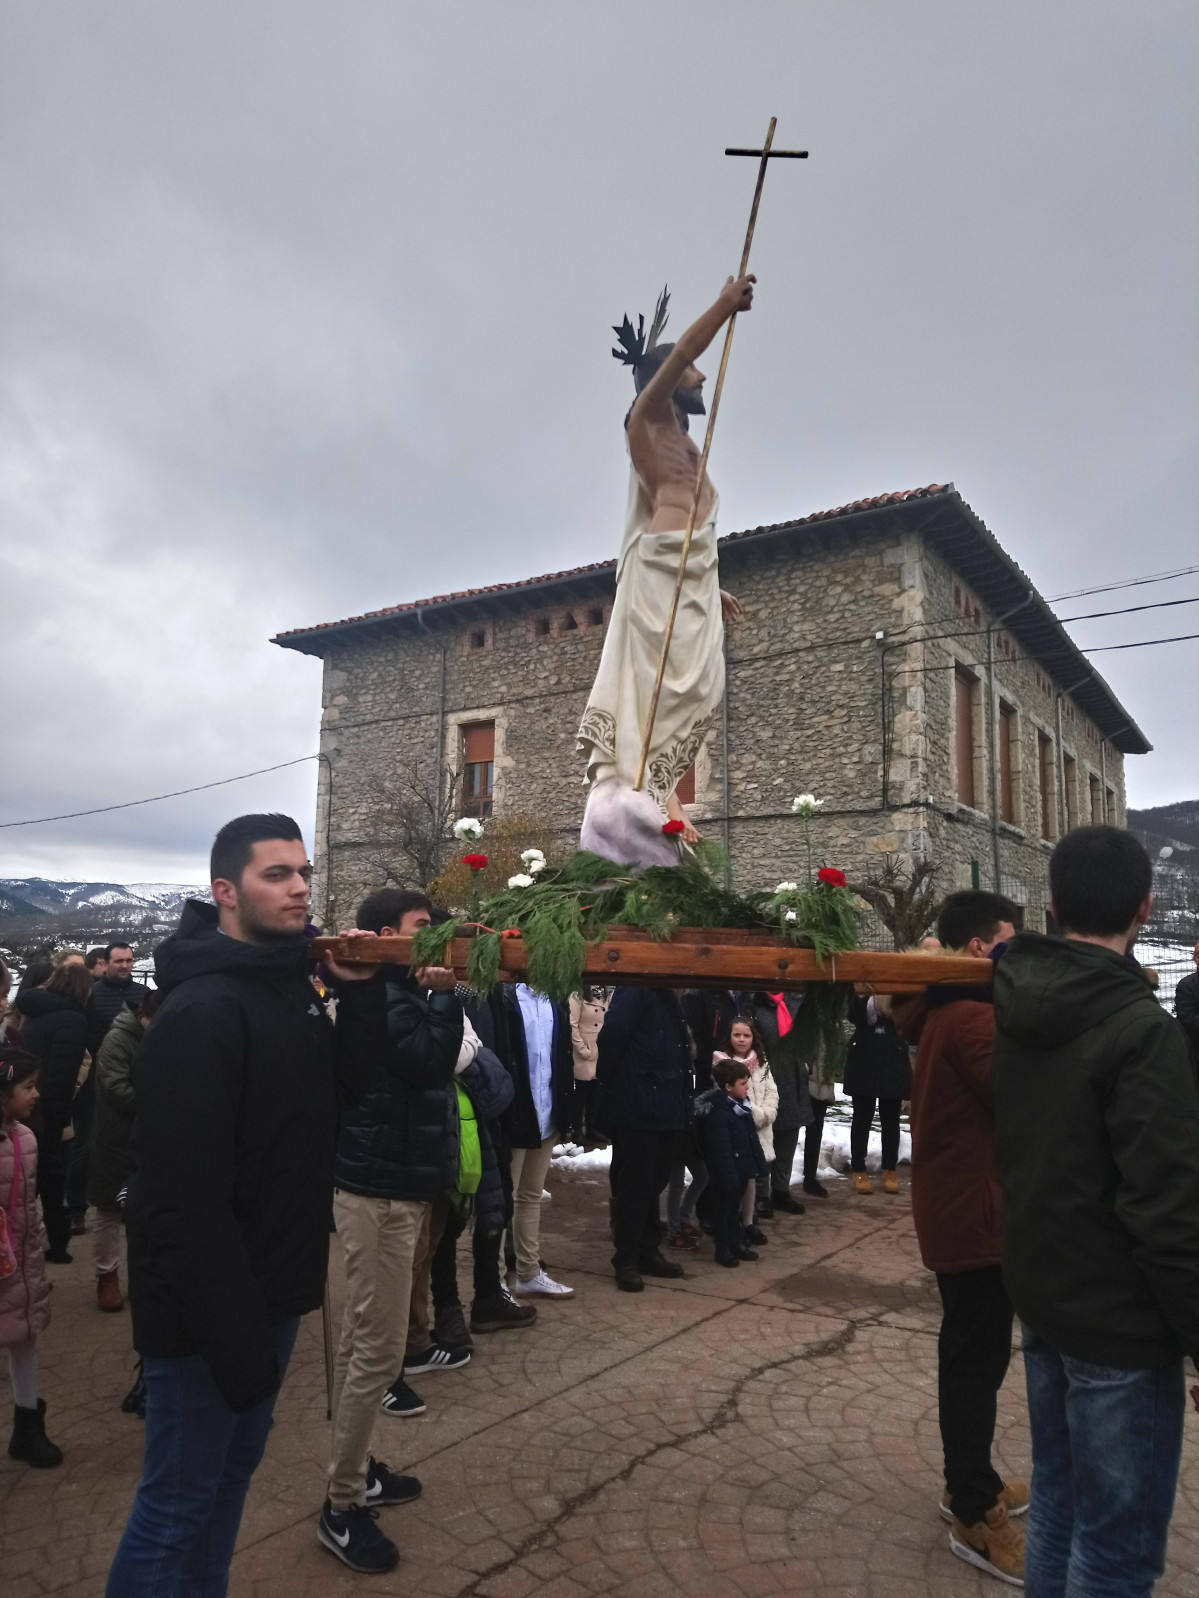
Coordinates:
[892,660]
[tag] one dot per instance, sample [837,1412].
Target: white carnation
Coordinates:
[468,829]
[806,804]
[535,866]
[532,854]
[791,916]
[520,880]
[787,887]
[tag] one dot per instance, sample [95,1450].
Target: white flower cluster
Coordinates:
[791,916]
[520,880]
[468,830]
[787,887]
[534,862]
[806,804]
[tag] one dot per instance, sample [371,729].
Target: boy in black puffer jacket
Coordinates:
[733,1153]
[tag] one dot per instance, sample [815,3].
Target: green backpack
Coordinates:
[470,1155]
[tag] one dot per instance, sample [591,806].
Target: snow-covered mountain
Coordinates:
[28,898]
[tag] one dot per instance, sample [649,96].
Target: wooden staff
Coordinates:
[765,154]
[327,1328]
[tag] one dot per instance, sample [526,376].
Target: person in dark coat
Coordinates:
[238,1083]
[878,1071]
[397,1163]
[1186,1008]
[774,1015]
[957,1210]
[1097,1144]
[643,1068]
[112,990]
[111,1163]
[54,1028]
[490,1089]
[733,1153]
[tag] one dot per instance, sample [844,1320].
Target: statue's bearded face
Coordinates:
[691,400]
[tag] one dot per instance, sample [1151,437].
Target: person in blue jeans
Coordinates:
[1097,1145]
[238,1083]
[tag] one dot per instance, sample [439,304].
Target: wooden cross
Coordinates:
[765,155]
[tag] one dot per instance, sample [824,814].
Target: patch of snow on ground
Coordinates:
[834,1154]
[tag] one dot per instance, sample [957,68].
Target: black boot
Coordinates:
[29,1441]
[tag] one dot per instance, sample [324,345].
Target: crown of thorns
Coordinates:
[633,347]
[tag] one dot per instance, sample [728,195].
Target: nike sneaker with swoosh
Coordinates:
[354,1538]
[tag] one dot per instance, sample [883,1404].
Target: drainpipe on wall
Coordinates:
[993,729]
[1063,810]
[1103,783]
[724,769]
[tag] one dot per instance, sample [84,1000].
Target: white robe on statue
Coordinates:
[619,824]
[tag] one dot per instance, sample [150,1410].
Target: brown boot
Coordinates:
[994,1544]
[108,1292]
[861,1183]
[890,1182]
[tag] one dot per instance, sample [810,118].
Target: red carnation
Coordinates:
[830,874]
[673,828]
[476,862]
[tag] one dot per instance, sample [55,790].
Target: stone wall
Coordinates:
[825,695]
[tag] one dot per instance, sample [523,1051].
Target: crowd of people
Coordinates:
[250,1103]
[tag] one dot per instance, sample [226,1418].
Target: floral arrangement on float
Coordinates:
[557,907]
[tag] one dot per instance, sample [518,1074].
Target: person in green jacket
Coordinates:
[1097,1136]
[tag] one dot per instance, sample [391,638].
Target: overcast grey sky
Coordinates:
[306,311]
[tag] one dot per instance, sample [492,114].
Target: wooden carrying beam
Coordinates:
[696,958]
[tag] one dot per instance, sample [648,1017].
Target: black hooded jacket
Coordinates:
[238,1083]
[1097,1140]
[54,1028]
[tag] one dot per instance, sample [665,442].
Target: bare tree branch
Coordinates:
[903,896]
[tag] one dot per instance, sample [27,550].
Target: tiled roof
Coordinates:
[599,568]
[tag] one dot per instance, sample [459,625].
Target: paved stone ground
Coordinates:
[767,1430]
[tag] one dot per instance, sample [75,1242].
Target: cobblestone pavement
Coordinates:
[771,1429]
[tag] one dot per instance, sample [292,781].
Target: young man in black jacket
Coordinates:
[397,1159]
[644,1076]
[1097,1128]
[238,1083]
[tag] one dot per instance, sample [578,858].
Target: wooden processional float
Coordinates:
[696,957]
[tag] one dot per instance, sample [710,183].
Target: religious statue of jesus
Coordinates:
[622,823]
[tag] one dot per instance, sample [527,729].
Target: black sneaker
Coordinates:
[435,1358]
[387,1487]
[763,1210]
[501,1313]
[723,1257]
[814,1188]
[352,1535]
[399,1399]
[755,1234]
[58,1256]
[746,1254]
[788,1205]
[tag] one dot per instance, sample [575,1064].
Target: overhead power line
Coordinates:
[1140,643]
[1129,582]
[101,810]
[1127,610]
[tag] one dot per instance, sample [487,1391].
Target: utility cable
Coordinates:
[1129,582]
[101,810]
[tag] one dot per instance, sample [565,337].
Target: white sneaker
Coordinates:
[541,1286]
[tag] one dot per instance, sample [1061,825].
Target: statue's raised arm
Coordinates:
[622,823]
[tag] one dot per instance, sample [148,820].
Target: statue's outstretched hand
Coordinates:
[730,607]
[737,295]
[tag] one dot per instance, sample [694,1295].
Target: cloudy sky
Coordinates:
[306,311]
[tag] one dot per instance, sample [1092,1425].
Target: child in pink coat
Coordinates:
[24,1291]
